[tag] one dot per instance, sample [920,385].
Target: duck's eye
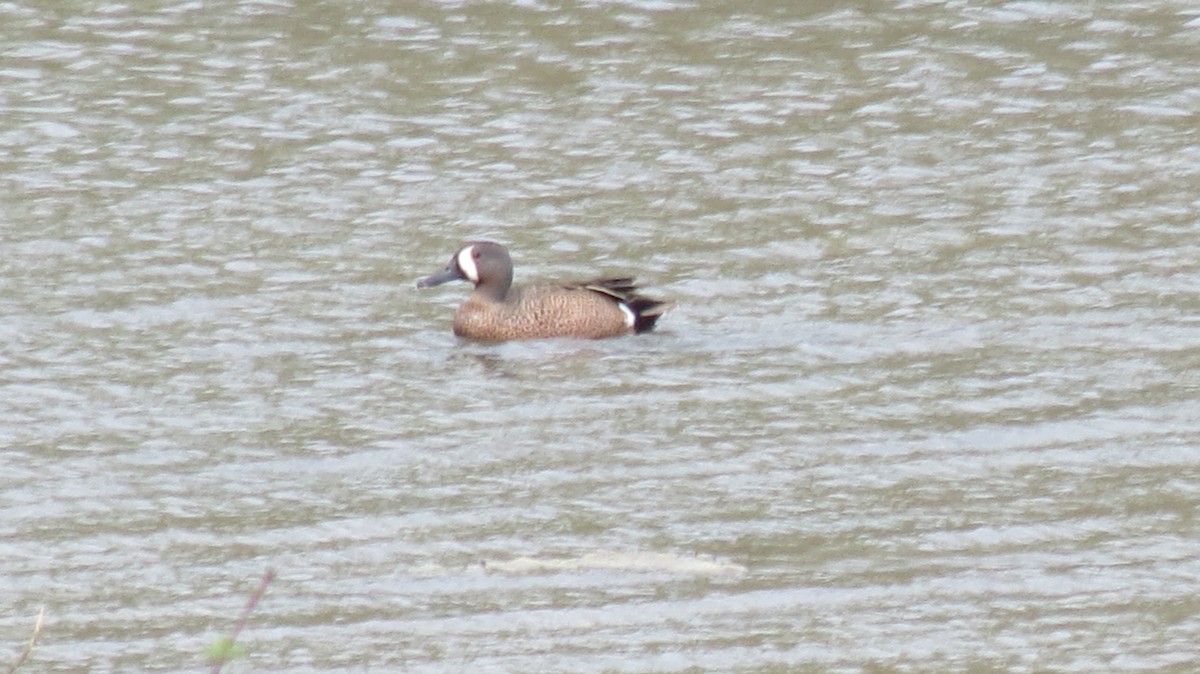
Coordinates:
[475,254]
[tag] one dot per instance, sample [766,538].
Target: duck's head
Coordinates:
[484,263]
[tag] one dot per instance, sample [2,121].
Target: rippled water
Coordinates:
[927,402]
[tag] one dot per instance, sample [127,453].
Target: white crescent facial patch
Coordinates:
[466,263]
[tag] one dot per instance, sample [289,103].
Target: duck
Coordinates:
[499,311]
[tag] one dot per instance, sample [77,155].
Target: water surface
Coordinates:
[927,401]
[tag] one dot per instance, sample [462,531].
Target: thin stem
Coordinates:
[246,611]
[37,633]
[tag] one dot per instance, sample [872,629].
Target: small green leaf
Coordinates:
[224,650]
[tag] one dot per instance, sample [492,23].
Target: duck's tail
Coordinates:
[646,311]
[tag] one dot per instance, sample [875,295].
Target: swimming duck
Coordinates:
[498,310]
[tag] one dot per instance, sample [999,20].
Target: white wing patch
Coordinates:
[630,317]
[466,263]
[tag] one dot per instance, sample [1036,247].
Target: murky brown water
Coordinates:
[928,401]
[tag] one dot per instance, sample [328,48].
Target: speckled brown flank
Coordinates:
[542,311]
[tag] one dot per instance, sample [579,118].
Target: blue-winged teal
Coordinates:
[498,310]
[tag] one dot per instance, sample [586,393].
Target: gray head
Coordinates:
[484,263]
